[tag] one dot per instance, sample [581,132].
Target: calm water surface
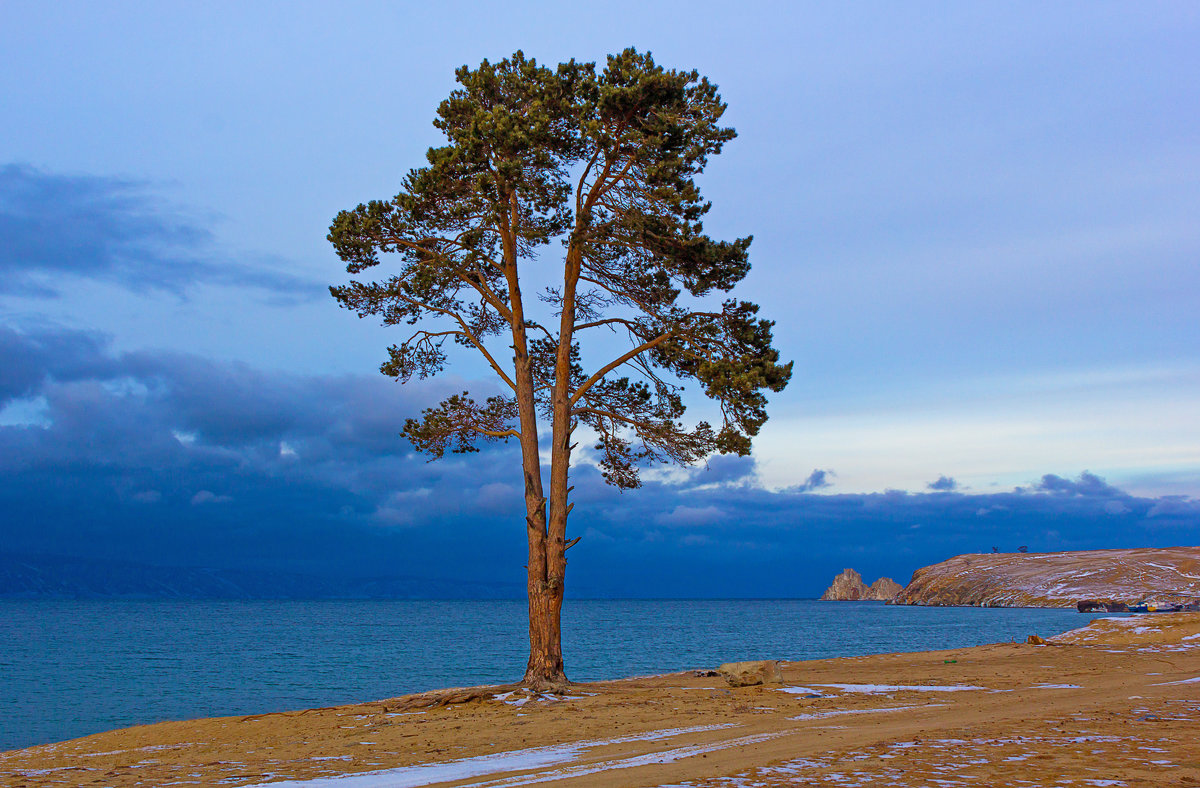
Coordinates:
[70,668]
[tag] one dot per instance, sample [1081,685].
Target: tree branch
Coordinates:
[466,331]
[609,367]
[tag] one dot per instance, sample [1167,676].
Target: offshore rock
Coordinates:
[846,587]
[884,589]
[745,674]
[1116,578]
[849,587]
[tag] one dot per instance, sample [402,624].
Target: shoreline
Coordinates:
[78,672]
[1112,701]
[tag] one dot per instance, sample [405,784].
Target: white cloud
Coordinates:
[185,438]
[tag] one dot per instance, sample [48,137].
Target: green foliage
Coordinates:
[456,423]
[603,162]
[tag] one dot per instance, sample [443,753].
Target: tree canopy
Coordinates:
[584,181]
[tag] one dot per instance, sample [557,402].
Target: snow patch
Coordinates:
[817,715]
[875,689]
[482,765]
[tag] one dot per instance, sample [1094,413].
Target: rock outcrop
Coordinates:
[849,587]
[1158,576]
[846,587]
[884,589]
[746,674]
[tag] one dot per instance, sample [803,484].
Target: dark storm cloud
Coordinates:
[28,359]
[1087,484]
[179,460]
[943,484]
[173,458]
[112,230]
[816,480]
[790,542]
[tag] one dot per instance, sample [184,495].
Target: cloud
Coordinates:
[815,481]
[943,484]
[1175,506]
[30,358]
[727,469]
[1116,508]
[177,459]
[1088,484]
[498,495]
[113,230]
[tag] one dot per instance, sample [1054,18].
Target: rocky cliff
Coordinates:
[884,589]
[1161,576]
[849,587]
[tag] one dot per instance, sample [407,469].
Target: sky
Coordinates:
[975,227]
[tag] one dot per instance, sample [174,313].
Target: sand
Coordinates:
[1115,704]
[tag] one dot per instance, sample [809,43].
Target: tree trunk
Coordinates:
[544,585]
[545,668]
[548,548]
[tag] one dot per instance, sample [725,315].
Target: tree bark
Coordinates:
[545,668]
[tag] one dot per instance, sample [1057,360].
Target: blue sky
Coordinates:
[975,225]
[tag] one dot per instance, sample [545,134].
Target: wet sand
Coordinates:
[1116,703]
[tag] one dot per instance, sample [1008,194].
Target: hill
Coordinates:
[1168,575]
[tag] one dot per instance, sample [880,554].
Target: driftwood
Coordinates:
[422,700]
[446,697]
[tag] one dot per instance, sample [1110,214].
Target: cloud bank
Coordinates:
[169,458]
[114,230]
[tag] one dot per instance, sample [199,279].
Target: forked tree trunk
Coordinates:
[545,668]
[544,585]
[548,547]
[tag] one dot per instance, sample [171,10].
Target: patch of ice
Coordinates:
[1056,686]
[798,690]
[1184,681]
[818,715]
[482,765]
[504,697]
[666,756]
[43,772]
[874,689]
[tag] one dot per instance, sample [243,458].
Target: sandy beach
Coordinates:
[1113,704]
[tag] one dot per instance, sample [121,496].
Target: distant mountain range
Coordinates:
[57,577]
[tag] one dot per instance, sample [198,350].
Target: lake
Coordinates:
[70,668]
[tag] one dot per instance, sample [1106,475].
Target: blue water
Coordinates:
[70,668]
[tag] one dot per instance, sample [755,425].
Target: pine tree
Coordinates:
[600,165]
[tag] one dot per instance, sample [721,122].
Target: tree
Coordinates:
[604,163]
